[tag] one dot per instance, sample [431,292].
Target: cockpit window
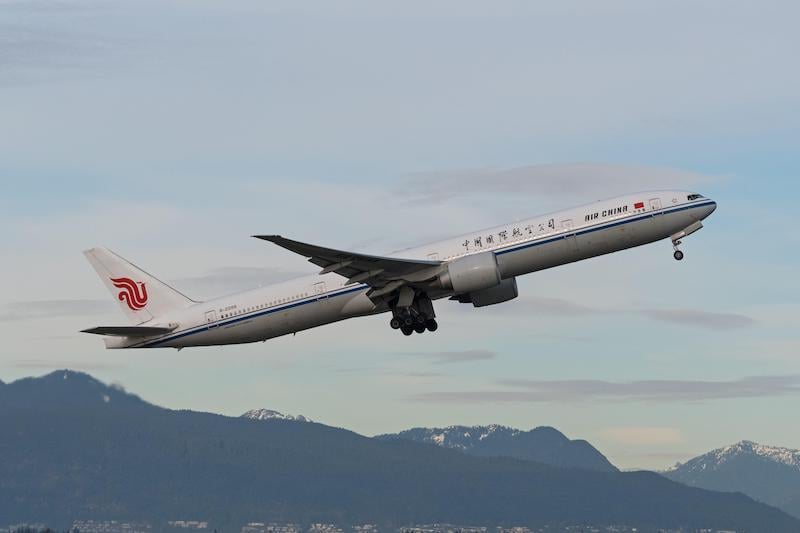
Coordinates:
[694,197]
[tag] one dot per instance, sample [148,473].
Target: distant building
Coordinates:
[188,524]
[324,528]
[443,528]
[16,527]
[261,527]
[110,526]
[516,529]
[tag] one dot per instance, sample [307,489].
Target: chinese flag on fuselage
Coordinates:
[638,205]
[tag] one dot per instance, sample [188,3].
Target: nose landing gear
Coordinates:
[676,238]
[677,254]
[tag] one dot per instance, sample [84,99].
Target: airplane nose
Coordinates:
[710,208]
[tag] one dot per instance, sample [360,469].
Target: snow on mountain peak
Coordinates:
[720,456]
[269,414]
[777,454]
[464,437]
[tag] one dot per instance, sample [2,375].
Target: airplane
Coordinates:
[478,268]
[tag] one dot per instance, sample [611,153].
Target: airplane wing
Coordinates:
[384,274]
[129,331]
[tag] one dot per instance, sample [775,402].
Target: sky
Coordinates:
[172,131]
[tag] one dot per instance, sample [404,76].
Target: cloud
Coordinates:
[700,319]
[386,372]
[38,46]
[643,435]
[451,357]
[553,306]
[39,309]
[412,374]
[590,180]
[354,369]
[588,390]
[55,365]
[687,317]
[669,458]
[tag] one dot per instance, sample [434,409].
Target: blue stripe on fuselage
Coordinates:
[362,286]
[255,314]
[602,226]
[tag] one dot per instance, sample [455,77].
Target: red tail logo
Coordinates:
[133,294]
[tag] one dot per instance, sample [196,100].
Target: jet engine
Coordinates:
[471,273]
[505,291]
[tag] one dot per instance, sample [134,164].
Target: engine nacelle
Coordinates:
[471,273]
[507,290]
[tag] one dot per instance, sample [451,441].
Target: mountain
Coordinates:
[72,447]
[543,444]
[766,473]
[269,414]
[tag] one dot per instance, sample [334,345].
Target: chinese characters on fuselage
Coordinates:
[491,240]
[512,234]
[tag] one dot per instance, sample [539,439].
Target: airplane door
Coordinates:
[569,234]
[319,292]
[655,204]
[211,319]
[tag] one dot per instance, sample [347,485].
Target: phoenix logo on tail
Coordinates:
[131,293]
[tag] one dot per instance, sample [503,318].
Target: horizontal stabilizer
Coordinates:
[129,331]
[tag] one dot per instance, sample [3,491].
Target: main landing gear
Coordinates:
[411,323]
[417,315]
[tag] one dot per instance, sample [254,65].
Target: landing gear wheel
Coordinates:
[419,319]
[419,328]
[432,325]
[408,321]
[407,330]
[678,255]
[395,323]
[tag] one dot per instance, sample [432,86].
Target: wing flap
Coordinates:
[373,270]
[129,331]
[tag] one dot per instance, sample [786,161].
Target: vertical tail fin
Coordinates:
[141,296]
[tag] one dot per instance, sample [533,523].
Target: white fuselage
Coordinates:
[520,248]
